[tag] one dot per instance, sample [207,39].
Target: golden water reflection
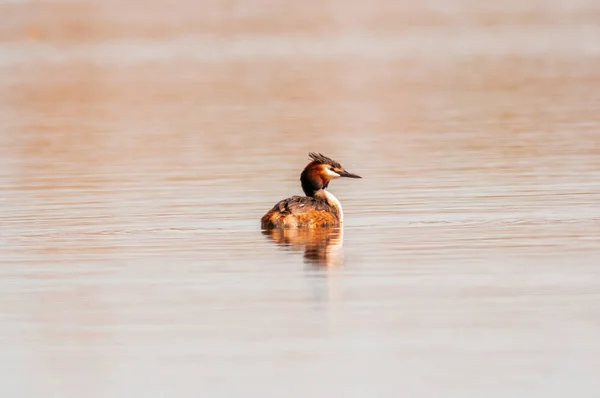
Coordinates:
[321,246]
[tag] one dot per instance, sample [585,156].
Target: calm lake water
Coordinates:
[140,144]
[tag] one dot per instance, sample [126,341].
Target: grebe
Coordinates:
[318,208]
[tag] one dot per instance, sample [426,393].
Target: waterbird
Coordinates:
[319,208]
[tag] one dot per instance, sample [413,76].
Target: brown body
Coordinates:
[318,208]
[301,212]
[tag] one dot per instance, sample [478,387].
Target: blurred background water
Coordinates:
[141,142]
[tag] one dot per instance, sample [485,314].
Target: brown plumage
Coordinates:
[318,208]
[322,159]
[300,212]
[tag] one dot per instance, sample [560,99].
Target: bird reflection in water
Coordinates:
[322,246]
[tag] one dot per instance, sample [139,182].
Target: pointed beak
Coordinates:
[349,175]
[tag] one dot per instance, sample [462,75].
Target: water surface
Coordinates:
[138,151]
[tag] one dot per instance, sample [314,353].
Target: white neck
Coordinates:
[333,202]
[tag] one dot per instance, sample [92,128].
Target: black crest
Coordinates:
[322,159]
